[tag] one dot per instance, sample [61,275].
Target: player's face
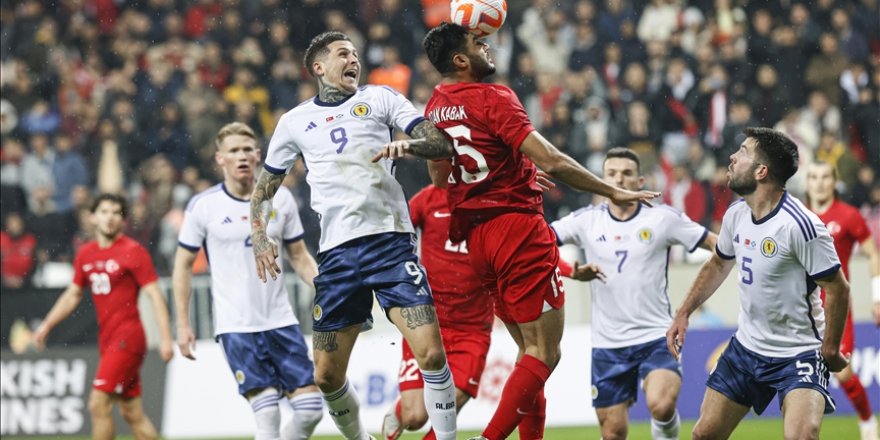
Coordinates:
[622,173]
[743,166]
[108,219]
[820,182]
[341,68]
[478,54]
[238,156]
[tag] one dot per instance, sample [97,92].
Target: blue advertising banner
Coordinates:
[703,347]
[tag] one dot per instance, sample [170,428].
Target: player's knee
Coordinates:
[307,420]
[805,430]
[433,359]
[100,408]
[700,432]
[662,410]
[614,431]
[328,380]
[130,415]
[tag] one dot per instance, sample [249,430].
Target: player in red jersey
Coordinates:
[847,227]
[115,268]
[496,205]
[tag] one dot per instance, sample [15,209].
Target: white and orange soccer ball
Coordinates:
[481,17]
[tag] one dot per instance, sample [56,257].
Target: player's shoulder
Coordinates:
[589,211]
[845,209]
[127,243]
[798,217]
[87,248]
[662,210]
[202,197]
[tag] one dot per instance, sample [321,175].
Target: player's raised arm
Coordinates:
[64,306]
[302,261]
[265,251]
[559,165]
[427,142]
[181,284]
[160,310]
[836,306]
[711,275]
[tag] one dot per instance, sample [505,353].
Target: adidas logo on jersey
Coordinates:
[602,238]
[311,126]
[226,221]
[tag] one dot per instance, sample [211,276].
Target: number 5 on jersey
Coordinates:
[461,135]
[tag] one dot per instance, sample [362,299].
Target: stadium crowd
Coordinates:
[126,96]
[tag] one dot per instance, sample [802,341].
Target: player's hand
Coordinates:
[675,335]
[186,342]
[265,252]
[623,196]
[836,361]
[587,272]
[166,350]
[40,337]
[876,310]
[396,149]
[543,180]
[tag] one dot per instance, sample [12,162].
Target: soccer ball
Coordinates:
[481,17]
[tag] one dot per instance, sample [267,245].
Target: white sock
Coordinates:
[440,402]
[342,405]
[308,409]
[665,430]
[266,414]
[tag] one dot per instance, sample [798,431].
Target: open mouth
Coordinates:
[352,73]
[244,167]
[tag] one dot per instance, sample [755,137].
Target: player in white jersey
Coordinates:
[367,238]
[253,321]
[629,243]
[785,343]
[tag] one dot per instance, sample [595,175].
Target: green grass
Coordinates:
[833,428]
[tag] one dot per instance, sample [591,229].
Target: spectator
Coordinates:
[852,42]
[17,250]
[768,100]
[68,171]
[245,88]
[821,114]
[612,17]
[392,72]
[740,118]
[36,169]
[587,50]
[823,72]
[659,20]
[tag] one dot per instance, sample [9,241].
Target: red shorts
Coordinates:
[119,373]
[465,353]
[516,255]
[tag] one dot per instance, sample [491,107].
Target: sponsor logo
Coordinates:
[445,406]
[750,244]
[44,397]
[339,413]
[111,266]
[646,235]
[521,412]
[333,118]
[736,238]
[602,238]
[226,221]
[311,126]
[361,110]
[473,382]
[594,392]
[439,214]
[98,382]
[317,312]
[769,248]
[239,377]
[834,228]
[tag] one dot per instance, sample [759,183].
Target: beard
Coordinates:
[480,67]
[746,184]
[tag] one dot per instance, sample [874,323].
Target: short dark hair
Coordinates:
[624,153]
[775,150]
[442,43]
[112,198]
[319,47]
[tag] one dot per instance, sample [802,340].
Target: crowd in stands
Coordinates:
[127,95]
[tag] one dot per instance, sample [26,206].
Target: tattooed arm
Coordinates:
[265,251]
[428,143]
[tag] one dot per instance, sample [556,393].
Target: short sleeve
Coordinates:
[724,245]
[858,227]
[507,117]
[399,111]
[79,276]
[283,151]
[417,206]
[568,229]
[142,267]
[816,254]
[192,232]
[293,228]
[683,230]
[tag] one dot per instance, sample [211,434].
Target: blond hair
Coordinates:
[234,128]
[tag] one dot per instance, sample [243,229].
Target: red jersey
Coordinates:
[490,176]
[847,227]
[115,275]
[460,299]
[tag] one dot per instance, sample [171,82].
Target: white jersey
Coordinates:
[220,223]
[632,306]
[353,196]
[778,258]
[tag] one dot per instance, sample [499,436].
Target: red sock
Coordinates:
[857,395]
[430,435]
[531,427]
[524,383]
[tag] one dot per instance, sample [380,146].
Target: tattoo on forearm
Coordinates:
[330,93]
[436,146]
[264,191]
[324,341]
[418,316]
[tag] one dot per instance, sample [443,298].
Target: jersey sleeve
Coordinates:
[858,228]
[192,232]
[507,117]
[568,229]
[283,150]
[79,275]
[724,245]
[399,111]
[683,230]
[815,252]
[286,204]
[142,267]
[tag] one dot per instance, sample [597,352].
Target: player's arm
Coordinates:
[711,275]
[869,248]
[710,241]
[559,165]
[302,261]
[181,285]
[427,142]
[160,309]
[265,251]
[439,171]
[64,306]
[836,307]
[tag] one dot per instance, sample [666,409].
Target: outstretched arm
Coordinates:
[160,309]
[265,251]
[427,142]
[711,275]
[181,283]
[64,306]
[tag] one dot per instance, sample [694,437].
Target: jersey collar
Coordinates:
[635,214]
[772,213]
[334,104]
[223,185]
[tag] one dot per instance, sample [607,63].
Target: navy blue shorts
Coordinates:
[752,380]
[348,275]
[616,371]
[275,358]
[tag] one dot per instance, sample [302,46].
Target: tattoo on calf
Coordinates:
[418,316]
[324,341]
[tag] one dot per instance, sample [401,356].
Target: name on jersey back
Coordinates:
[442,114]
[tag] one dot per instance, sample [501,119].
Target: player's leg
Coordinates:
[332,351]
[802,384]
[101,411]
[614,377]
[802,411]
[132,411]
[408,411]
[662,383]
[719,416]
[614,421]
[531,426]
[852,385]
[292,367]
[247,355]
[308,410]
